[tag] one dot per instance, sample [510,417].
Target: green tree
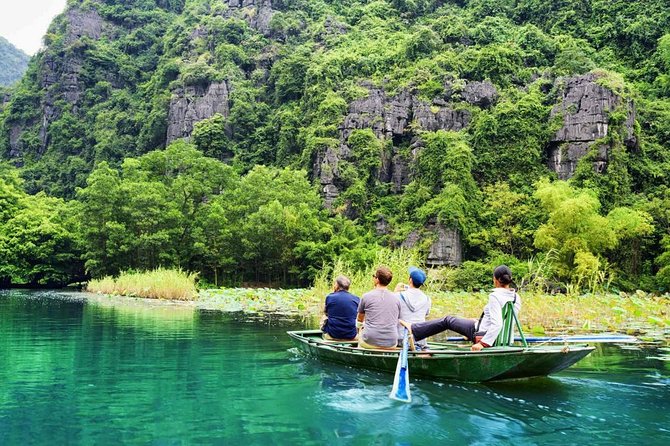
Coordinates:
[509,140]
[508,221]
[576,230]
[38,244]
[102,234]
[210,137]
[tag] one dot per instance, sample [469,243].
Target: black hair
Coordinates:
[503,274]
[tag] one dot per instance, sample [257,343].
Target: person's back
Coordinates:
[341,308]
[492,322]
[382,311]
[379,311]
[414,304]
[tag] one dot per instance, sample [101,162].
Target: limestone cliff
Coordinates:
[446,248]
[398,119]
[585,106]
[60,75]
[257,13]
[193,104]
[395,118]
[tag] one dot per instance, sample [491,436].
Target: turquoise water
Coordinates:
[81,373]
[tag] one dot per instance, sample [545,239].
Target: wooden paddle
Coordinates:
[400,390]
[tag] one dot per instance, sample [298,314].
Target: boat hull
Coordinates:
[447,362]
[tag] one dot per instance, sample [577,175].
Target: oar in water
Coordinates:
[400,390]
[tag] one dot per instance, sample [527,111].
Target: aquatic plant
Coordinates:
[262,300]
[159,283]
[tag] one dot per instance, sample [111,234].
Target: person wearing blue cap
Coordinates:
[414,304]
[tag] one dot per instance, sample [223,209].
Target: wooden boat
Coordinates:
[449,361]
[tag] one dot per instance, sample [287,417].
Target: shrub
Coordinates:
[157,284]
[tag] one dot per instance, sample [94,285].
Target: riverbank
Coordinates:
[642,315]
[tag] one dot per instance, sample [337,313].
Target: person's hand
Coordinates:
[400,287]
[477,347]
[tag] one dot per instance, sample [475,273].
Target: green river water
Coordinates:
[78,372]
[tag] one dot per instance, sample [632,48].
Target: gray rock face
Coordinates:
[446,249]
[60,75]
[82,23]
[389,118]
[585,106]
[257,13]
[4,100]
[193,104]
[332,26]
[483,94]
[15,141]
[397,119]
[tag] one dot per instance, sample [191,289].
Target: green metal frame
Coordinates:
[505,337]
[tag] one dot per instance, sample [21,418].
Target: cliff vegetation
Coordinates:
[257,140]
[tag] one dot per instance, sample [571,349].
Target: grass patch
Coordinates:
[157,284]
[588,313]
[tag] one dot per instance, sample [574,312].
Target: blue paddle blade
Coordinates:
[400,390]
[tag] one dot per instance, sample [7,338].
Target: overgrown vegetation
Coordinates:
[98,192]
[13,63]
[156,284]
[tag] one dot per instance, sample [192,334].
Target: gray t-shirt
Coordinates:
[382,310]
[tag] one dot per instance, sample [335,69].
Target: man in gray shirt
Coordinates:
[378,314]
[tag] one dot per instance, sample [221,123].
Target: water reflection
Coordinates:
[74,372]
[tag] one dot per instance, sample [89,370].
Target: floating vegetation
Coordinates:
[262,300]
[639,314]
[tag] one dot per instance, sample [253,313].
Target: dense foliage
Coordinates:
[13,62]
[239,202]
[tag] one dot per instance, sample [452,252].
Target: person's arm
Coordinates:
[324,316]
[495,314]
[360,318]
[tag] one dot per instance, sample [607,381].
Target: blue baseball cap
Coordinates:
[418,276]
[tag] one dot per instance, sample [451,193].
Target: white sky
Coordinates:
[24,22]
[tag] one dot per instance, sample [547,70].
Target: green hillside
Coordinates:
[13,62]
[477,132]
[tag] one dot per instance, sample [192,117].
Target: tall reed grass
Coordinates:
[571,311]
[160,283]
[398,260]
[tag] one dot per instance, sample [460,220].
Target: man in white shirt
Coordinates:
[414,304]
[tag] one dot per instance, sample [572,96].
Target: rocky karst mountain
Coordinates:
[296,80]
